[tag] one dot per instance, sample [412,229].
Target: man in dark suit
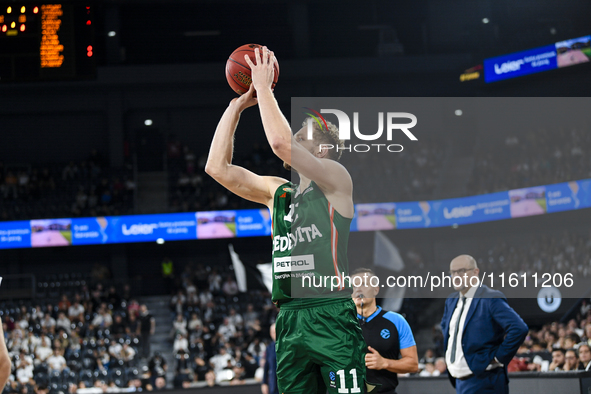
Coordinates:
[269,385]
[481,332]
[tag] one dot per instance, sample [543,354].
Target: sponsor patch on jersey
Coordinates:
[333,379]
[294,263]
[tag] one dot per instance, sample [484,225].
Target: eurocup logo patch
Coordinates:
[333,377]
[385,333]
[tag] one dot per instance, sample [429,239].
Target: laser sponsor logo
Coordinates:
[459,212]
[507,67]
[388,122]
[139,229]
[294,263]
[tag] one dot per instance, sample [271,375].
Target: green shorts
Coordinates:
[320,347]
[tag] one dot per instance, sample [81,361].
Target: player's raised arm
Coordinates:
[219,165]
[305,156]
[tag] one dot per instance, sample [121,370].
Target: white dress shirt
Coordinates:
[459,368]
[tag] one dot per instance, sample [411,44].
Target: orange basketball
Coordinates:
[238,72]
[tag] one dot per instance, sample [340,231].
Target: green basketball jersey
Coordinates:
[309,244]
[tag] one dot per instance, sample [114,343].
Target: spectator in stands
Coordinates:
[210,379]
[133,308]
[64,304]
[571,340]
[147,328]
[76,312]
[63,322]
[558,360]
[48,322]
[257,349]
[112,297]
[127,353]
[56,362]
[588,333]
[180,344]
[235,319]
[221,361]
[157,365]
[571,361]
[440,365]
[103,358]
[200,367]
[118,328]
[103,319]
[205,297]
[230,287]
[178,303]
[179,326]
[429,357]
[42,351]
[227,330]
[585,356]
[215,282]
[133,326]
[429,370]
[30,342]
[195,325]
[250,316]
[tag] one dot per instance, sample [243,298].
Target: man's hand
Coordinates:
[373,360]
[246,100]
[263,72]
[265,388]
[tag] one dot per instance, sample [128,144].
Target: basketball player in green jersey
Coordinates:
[320,346]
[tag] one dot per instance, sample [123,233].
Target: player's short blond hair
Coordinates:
[330,136]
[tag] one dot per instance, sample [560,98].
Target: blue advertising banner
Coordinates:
[530,201]
[483,208]
[15,235]
[145,228]
[89,231]
[413,214]
[520,63]
[253,222]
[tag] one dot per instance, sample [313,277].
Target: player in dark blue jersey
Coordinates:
[391,346]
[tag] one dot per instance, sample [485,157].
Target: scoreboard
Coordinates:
[46,41]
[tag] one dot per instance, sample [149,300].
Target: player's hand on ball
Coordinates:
[373,360]
[262,72]
[246,100]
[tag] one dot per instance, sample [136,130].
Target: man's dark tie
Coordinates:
[455,341]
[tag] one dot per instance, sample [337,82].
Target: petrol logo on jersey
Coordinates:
[385,333]
[294,263]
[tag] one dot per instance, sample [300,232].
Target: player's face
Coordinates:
[301,138]
[362,285]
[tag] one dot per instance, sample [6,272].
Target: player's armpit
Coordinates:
[247,184]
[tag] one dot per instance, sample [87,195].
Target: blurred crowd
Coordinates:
[191,189]
[84,188]
[218,334]
[538,157]
[89,340]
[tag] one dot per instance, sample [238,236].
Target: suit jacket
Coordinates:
[492,329]
[270,369]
